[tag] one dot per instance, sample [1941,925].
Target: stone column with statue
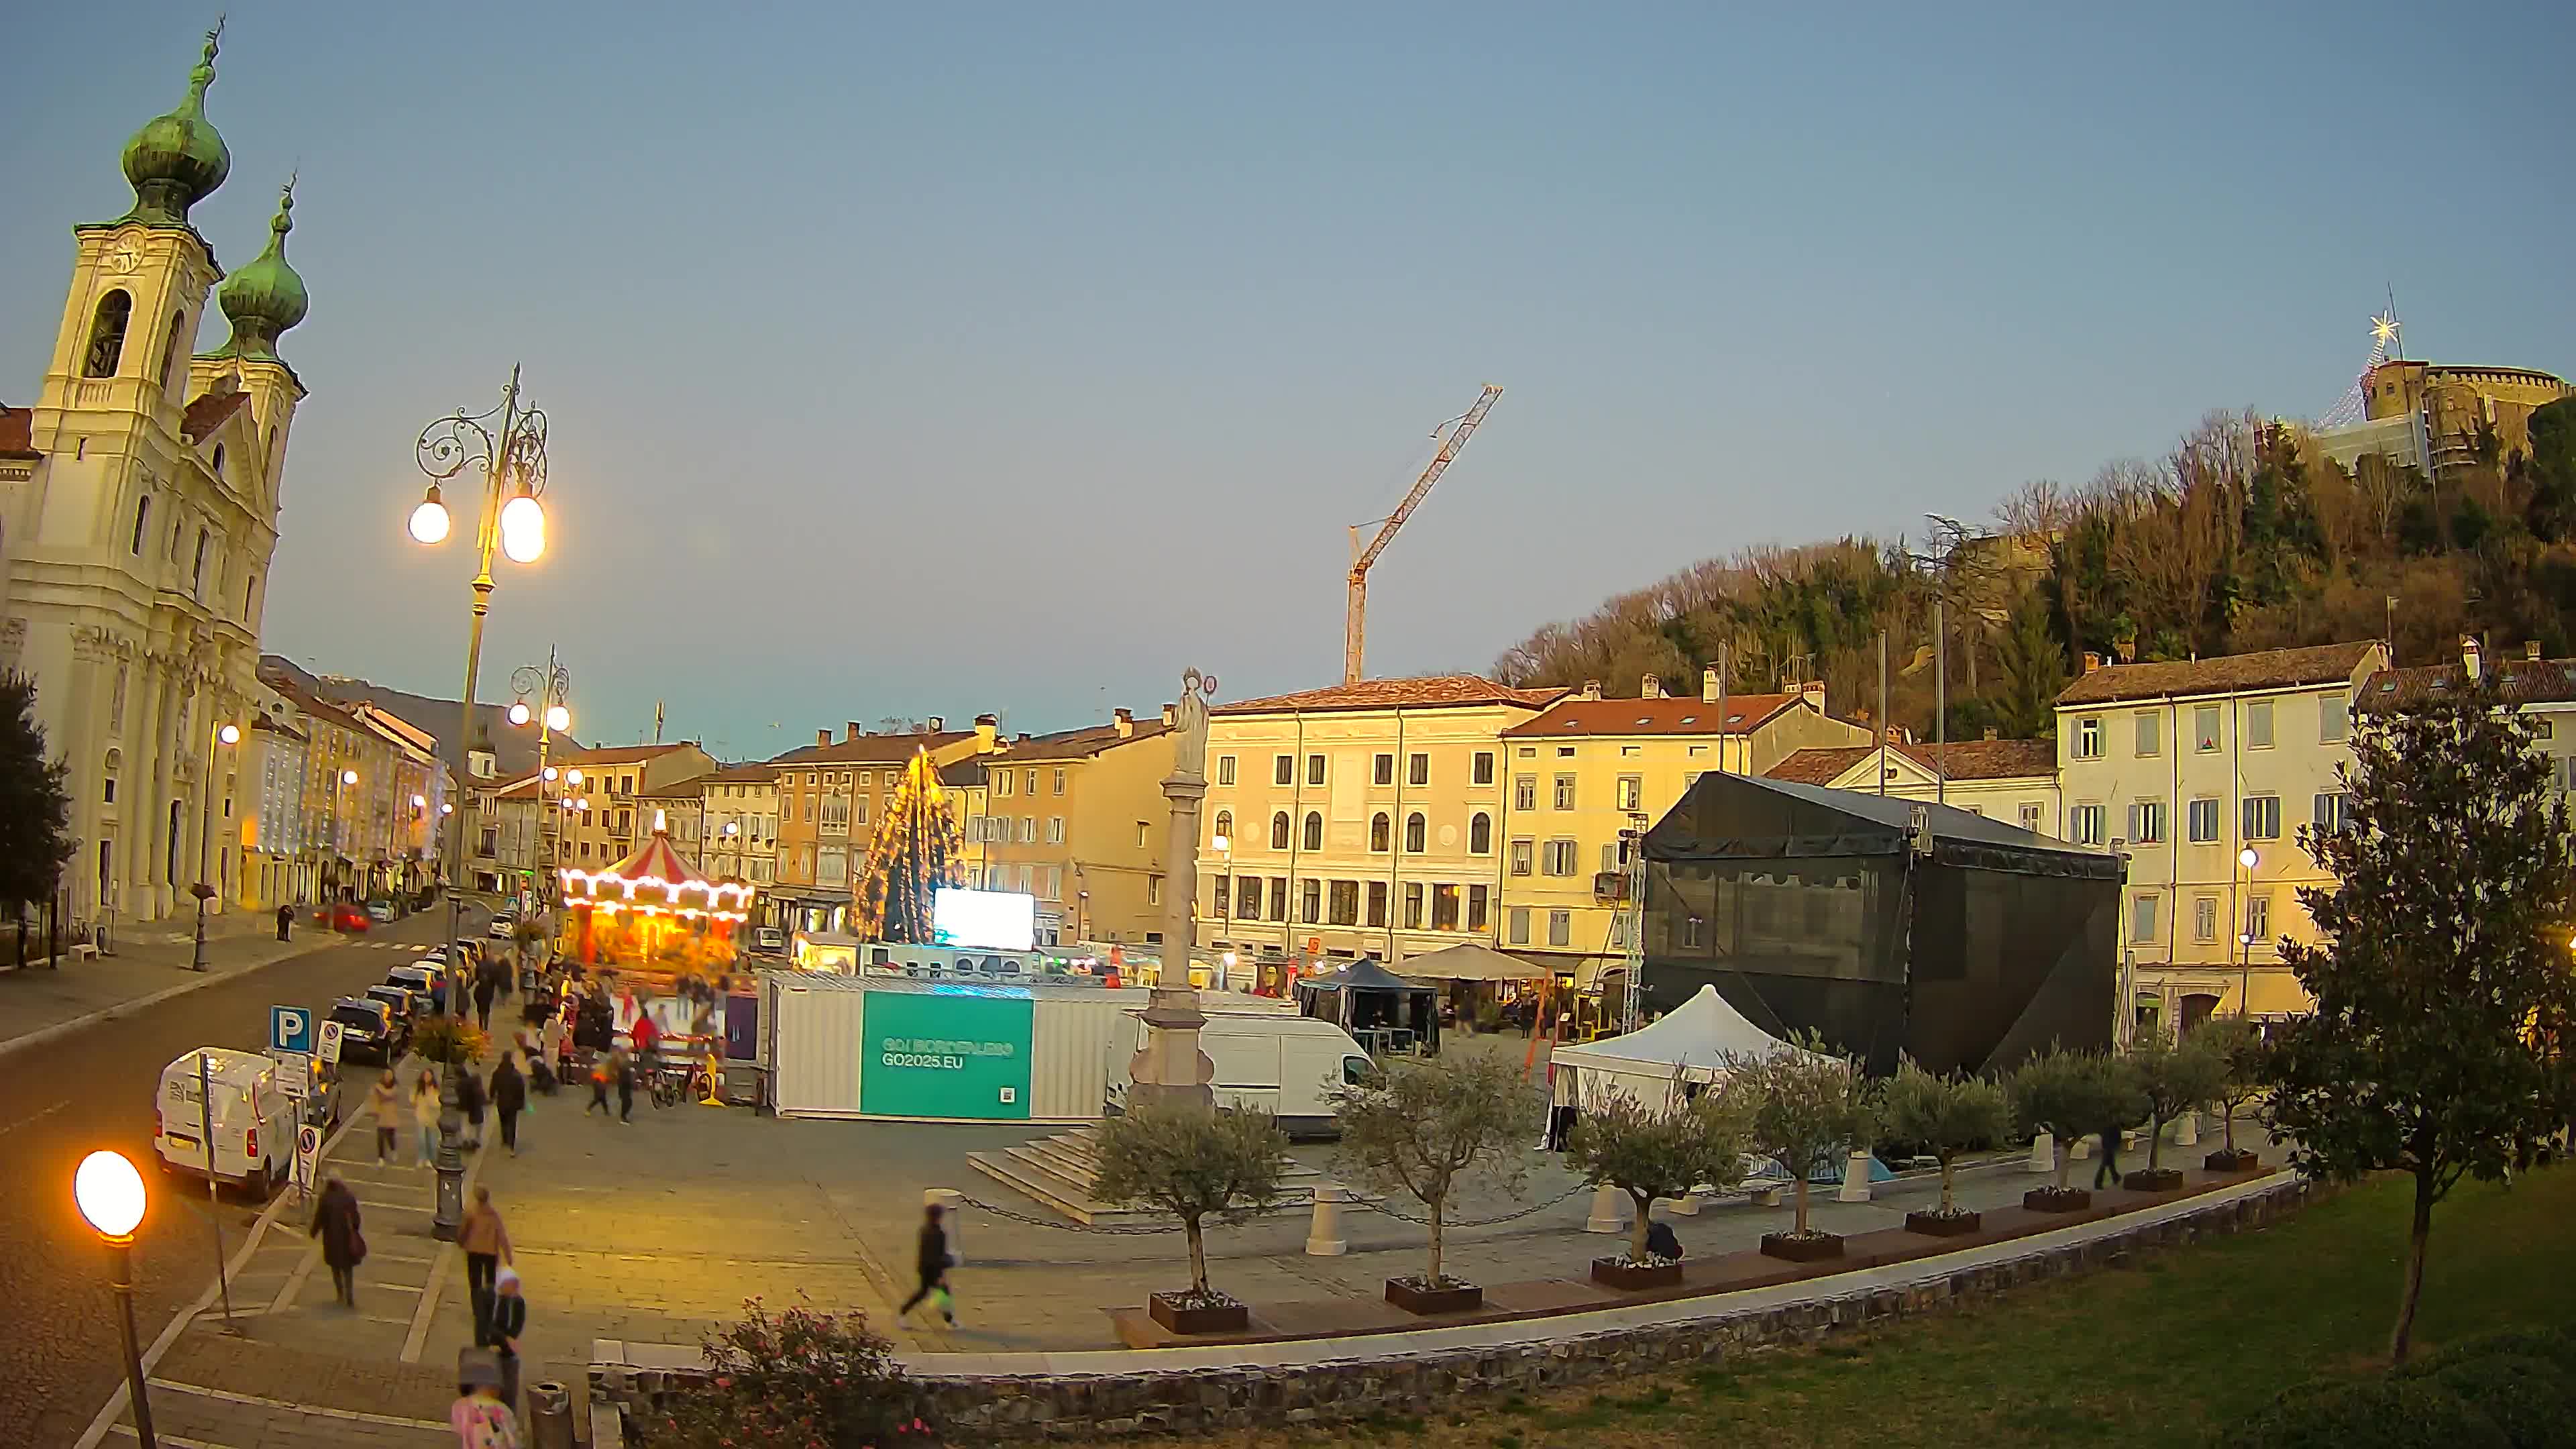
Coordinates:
[1171,1069]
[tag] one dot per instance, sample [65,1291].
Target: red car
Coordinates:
[343,917]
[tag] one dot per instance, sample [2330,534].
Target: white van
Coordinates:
[1269,1059]
[254,1119]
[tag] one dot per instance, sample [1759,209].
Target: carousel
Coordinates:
[653,915]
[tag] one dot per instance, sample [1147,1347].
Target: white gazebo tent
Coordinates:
[1690,1044]
[1468,961]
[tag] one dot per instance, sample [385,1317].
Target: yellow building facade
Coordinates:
[1586,769]
[1077,819]
[830,795]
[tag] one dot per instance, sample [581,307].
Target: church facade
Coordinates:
[142,495]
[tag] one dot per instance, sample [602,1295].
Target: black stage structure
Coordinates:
[1886,925]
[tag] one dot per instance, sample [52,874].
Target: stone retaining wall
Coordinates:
[1423,1381]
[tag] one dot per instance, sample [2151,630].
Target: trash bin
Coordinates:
[549,1416]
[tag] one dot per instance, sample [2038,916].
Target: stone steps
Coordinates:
[1061,1171]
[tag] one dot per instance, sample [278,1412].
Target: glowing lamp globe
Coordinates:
[445,808]
[348,777]
[573,776]
[2246,857]
[110,1194]
[558,718]
[523,529]
[551,772]
[229,734]
[417,802]
[1221,844]
[519,713]
[429,520]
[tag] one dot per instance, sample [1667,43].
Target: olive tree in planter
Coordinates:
[2066,1094]
[1946,1116]
[1195,1164]
[2238,1046]
[2171,1078]
[1420,1127]
[1804,1105]
[1656,1152]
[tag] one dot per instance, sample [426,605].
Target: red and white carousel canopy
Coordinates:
[656,881]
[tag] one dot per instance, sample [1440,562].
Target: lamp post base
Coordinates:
[449,1215]
[197,959]
[120,1268]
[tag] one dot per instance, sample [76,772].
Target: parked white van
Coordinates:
[1268,1059]
[254,1119]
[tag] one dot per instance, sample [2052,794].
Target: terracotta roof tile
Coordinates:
[1670,715]
[617,754]
[18,433]
[1966,760]
[2524,681]
[1081,744]
[758,772]
[207,413]
[2227,674]
[1433,691]
[871,749]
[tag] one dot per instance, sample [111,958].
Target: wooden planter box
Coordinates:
[1938,1225]
[2153,1179]
[1208,1318]
[2225,1161]
[1465,1298]
[1631,1277]
[1792,1248]
[2056,1200]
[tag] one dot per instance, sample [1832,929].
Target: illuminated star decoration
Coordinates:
[2383,330]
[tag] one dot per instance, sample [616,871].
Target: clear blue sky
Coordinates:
[908,359]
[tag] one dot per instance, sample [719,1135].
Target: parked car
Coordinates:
[407,1005]
[380,909]
[237,1094]
[503,923]
[769,941]
[368,1032]
[426,979]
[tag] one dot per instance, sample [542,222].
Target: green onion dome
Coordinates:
[266,297]
[178,160]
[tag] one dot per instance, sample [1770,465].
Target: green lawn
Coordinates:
[2154,1354]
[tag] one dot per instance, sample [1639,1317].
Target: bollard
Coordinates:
[2187,1130]
[2043,1154]
[1855,1186]
[954,1219]
[1324,1233]
[549,1416]
[1607,1216]
[1685,1206]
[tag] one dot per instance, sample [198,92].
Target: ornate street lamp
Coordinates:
[225,736]
[109,1193]
[509,444]
[551,683]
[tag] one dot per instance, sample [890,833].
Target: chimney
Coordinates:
[988,728]
[1023,738]
[1123,721]
[2092,661]
[850,730]
[939,724]
[1171,715]
[1813,691]
[1708,685]
[2469,657]
[2531,650]
[1651,687]
[1591,689]
[1991,732]
[822,737]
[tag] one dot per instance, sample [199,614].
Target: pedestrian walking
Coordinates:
[509,1099]
[285,923]
[622,1067]
[478,1416]
[2109,1167]
[424,1115]
[483,999]
[599,1078]
[386,1098]
[335,1222]
[486,1242]
[509,1320]
[470,1099]
[932,1260]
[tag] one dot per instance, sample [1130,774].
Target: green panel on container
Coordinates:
[954,1051]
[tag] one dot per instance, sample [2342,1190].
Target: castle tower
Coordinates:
[141,536]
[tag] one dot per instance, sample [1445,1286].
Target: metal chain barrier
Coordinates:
[1446,1224]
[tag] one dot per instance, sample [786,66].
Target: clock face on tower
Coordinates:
[124,257]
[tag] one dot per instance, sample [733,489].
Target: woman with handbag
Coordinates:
[335,1222]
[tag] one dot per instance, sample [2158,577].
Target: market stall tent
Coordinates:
[1468,961]
[1691,1044]
[1366,995]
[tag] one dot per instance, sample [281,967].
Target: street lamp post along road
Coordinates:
[109,1193]
[509,444]
[552,685]
[223,737]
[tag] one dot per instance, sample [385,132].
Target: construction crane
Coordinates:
[1355,626]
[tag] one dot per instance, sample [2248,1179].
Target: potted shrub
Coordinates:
[2238,1046]
[1419,1127]
[2171,1078]
[1656,1152]
[1194,1163]
[1947,1116]
[1803,1105]
[2065,1094]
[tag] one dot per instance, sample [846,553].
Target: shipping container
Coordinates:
[942,1051]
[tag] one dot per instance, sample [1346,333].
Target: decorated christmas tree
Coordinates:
[915,852]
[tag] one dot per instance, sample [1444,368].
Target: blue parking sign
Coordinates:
[290,1029]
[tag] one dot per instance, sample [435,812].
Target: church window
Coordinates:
[170,349]
[219,462]
[197,570]
[107,334]
[142,516]
[250,595]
